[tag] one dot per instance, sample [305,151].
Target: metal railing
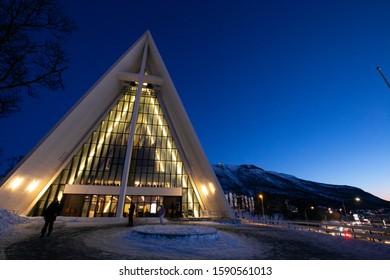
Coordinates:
[347,230]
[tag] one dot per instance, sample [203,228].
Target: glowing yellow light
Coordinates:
[159,162]
[60,195]
[150,134]
[185,183]
[179,169]
[82,167]
[107,206]
[101,142]
[16,182]
[190,200]
[205,190]
[212,188]
[32,185]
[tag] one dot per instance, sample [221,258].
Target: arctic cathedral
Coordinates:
[127,140]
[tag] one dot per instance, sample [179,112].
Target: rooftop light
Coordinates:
[32,185]
[212,188]
[16,182]
[205,190]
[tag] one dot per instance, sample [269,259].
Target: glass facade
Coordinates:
[106,205]
[155,158]
[101,159]
[155,161]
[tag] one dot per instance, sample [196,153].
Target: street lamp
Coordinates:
[262,204]
[357,199]
[312,208]
[345,211]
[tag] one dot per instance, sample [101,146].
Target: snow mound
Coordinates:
[7,219]
[221,245]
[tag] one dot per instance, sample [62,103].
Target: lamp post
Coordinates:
[262,204]
[312,208]
[357,199]
[345,211]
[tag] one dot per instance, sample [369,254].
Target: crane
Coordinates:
[383,76]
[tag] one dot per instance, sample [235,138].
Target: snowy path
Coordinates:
[66,243]
[115,241]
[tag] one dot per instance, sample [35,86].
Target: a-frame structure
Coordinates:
[127,140]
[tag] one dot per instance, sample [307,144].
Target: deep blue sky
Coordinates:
[290,86]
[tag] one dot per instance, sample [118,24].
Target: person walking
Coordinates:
[161,213]
[172,210]
[178,209]
[131,214]
[50,215]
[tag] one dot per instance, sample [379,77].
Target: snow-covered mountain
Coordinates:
[277,187]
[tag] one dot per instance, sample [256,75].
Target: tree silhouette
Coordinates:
[31,55]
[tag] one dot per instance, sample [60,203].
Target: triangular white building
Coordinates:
[128,139]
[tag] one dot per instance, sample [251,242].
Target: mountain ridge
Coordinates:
[248,179]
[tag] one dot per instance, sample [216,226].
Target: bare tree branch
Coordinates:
[31,56]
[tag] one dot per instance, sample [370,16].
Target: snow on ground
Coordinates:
[176,231]
[185,247]
[8,219]
[233,244]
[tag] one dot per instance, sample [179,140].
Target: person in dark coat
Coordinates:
[131,214]
[172,209]
[50,216]
[177,209]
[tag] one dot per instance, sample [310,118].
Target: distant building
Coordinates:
[128,139]
[241,202]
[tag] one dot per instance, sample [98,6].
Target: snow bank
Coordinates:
[132,245]
[7,219]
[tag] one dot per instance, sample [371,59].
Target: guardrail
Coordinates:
[213,214]
[348,230]
[204,215]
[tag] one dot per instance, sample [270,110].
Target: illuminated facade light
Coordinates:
[32,186]
[60,195]
[16,183]
[205,190]
[212,188]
